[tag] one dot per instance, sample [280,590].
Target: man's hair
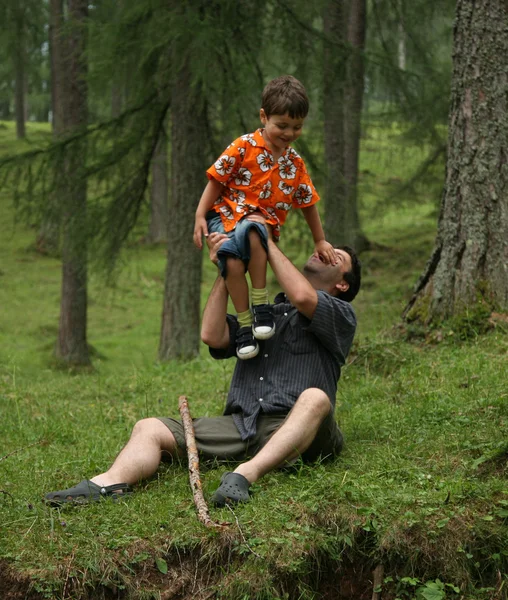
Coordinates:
[353,277]
[285,94]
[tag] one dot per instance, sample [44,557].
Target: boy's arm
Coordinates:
[321,246]
[210,194]
[214,326]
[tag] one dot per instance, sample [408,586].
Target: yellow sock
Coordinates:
[259,296]
[245,318]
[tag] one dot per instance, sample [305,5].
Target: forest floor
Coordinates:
[420,491]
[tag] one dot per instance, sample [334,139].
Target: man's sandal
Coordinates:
[87,491]
[234,488]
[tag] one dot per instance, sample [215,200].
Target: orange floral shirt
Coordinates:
[254,182]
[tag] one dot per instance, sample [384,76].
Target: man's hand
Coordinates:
[214,241]
[200,230]
[259,218]
[326,252]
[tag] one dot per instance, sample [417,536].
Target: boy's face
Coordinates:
[280,130]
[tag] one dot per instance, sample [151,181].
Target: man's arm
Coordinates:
[300,292]
[321,246]
[214,327]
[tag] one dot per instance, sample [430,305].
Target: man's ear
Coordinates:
[342,286]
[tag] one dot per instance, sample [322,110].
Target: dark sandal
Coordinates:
[233,488]
[87,491]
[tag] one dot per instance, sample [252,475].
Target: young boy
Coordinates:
[259,173]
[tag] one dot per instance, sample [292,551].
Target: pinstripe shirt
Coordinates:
[302,354]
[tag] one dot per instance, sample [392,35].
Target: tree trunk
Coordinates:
[469,264]
[48,236]
[19,67]
[159,215]
[180,318]
[353,102]
[72,345]
[333,106]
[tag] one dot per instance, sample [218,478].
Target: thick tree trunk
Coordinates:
[48,236]
[180,318]
[333,106]
[353,102]
[72,342]
[470,260]
[344,27]
[159,215]
[19,82]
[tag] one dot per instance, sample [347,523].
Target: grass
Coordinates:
[420,488]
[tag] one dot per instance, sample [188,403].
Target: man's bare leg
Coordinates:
[141,456]
[292,438]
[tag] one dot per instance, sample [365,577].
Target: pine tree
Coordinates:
[468,268]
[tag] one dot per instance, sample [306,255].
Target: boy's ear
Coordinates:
[262,116]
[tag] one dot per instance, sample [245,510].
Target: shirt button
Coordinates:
[261,399]
[285,314]
[266,355]
[260,379]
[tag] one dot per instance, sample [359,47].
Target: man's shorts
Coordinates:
[238,244]
[217,438]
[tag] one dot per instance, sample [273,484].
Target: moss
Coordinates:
[420,310]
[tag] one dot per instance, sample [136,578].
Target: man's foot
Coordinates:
[263,326]
[246,345]
[234,488]
[87,491]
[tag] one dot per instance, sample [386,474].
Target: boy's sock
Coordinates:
[259,296]
[245,318]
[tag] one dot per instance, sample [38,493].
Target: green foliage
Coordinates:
[420,486]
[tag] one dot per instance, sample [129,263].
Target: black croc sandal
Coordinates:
[87,491]
[233,488]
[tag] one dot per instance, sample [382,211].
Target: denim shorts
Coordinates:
[238,245]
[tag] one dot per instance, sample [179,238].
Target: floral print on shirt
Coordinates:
[254,182]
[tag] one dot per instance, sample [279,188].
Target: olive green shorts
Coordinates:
[217,438]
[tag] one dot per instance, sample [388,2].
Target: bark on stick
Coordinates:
[192,454]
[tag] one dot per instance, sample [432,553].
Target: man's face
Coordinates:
[328,275]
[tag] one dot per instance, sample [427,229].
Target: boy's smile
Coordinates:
[280,130]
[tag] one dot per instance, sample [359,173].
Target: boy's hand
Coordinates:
[200,230]
[326,252]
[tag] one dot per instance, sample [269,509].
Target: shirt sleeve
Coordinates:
[334,324]
[228,162]
[305,193]
[222,353]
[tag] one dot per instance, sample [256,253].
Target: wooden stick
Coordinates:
[192,454]
[378,580]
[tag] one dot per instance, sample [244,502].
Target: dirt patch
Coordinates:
[14,586]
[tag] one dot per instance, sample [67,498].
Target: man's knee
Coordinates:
[154,429]
[316,400]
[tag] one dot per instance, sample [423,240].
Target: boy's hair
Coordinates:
[353,277]
[285,94]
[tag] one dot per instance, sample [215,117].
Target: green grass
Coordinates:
[421,485]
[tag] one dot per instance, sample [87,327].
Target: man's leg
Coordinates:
[141,456]
[293,437]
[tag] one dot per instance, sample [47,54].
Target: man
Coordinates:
[280,404]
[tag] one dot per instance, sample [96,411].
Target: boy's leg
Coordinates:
[263,321]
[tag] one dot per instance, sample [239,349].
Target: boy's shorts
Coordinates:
[238,244]
[218,439]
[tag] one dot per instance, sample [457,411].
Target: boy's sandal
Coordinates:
[87,491]
[233,488]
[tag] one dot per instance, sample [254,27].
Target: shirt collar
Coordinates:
[280,298]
